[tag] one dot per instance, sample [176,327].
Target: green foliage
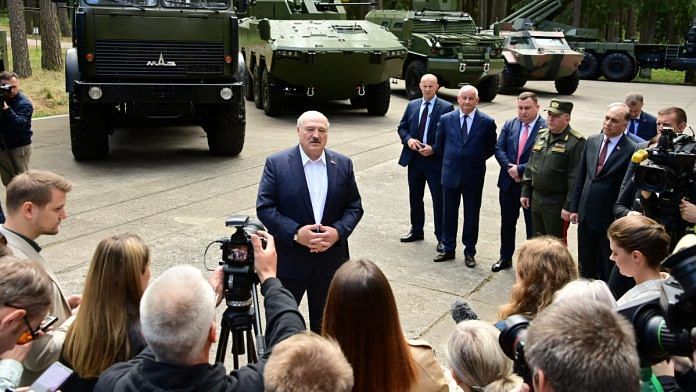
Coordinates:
[663,76]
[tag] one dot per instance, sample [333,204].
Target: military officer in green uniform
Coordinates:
[549,179]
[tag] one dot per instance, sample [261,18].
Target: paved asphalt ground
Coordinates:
[162,184]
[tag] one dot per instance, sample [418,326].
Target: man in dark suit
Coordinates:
[465,139]
[603,164]
[417,132]
[512,152]
[641,124]
[309,201]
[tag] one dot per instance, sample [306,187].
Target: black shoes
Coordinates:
[470,261]
[410,237]
[501,265]
[440,247]
[444,256]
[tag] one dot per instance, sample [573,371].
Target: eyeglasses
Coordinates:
[31,333]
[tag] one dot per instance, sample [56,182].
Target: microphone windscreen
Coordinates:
[461,311]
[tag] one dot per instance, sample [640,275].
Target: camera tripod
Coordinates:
[238,322]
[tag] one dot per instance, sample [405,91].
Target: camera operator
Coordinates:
[582,345]
[632,201]
[15,128]
[177,314]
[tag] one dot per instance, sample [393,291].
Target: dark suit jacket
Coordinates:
[283,205]
[464,159]
[647,126]
[408,127]
[595,195]
[507,146]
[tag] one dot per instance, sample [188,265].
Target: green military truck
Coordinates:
[154,59]
[446,43]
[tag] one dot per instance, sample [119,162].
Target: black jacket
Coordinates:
[15,122]
[144,373]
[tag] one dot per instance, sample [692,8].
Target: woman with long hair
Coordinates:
[544,265]
[106,329]
[477,361]
[361,315]
[638,245]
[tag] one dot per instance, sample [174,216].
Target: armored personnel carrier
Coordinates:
[304,48]
[446,43]
[538,55]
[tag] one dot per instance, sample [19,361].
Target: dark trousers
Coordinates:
[420,171]
[472,208]
[546,215]
[509,213]
[593,253]
[317,289]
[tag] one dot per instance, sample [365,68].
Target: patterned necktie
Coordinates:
[465,130]
[603,155]
[423,121]
[523,142]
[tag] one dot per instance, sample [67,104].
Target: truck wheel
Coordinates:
[225,126]
[510,80]
[488,88]
[258,95]
[618,67]
[89,136]
[568,85]
[377,98]
[272,97]
[589,67]
[248,86]
[414,72]
[359,102]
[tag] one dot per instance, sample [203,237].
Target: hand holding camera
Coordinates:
[265,258]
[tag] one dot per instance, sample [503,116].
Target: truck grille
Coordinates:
[160,58]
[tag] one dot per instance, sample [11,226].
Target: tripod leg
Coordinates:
[251,350]
[237,347]
[222,344]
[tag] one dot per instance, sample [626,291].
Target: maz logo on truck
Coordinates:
[161,62]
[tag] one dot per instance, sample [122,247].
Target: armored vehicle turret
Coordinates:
[444,42]
[305,48]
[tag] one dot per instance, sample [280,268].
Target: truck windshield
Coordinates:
[126,3]
[205,4]
[557,43]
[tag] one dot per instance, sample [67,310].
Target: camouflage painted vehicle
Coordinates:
[307,49]
[539,55]
[444,42]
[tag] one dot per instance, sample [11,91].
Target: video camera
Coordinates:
[4,88]
[238,261]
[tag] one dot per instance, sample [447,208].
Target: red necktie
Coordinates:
[602,155]
[523,142]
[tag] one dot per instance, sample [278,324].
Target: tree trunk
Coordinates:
[18,34]
[631,24]
[483,13]
[690,76]
[499,11]
[51,53]
[64,20]
[577,12]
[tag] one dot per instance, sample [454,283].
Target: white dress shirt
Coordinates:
[430,115]
[469,120]
[317,182]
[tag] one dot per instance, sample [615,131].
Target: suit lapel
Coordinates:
[415,119]
[474,125]
[295,164]
[331,177]
[516,125]
[616,154]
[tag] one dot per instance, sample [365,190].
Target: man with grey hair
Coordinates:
[603,163]
[309,200]
[177,315]
[466,139]
[640,124]
[566,341]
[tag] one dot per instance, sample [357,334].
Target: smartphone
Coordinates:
[52,378]
[47,322]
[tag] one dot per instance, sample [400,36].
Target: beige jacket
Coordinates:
[45,350]
[431,377]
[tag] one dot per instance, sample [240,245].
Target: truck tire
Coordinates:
[618,67]
[414,72]
[89,135]
[510,80]
[589,67]
[377,98]
[272,97]
[258,94]
[225,128]
[248,86]
[358,102]
[568,85]
[488,88]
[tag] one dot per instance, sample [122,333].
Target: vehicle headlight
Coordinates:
[226,93]
[95,92]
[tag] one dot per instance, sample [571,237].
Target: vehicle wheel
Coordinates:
[89,135]
[359,102]
[258,95]
[488,88]
[414,72]
[377,98]
[272,97]
[225,125]
[508,80]
[568,85]
[589,67]
[618,67]
[248,86]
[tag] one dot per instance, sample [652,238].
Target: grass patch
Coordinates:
[663,76]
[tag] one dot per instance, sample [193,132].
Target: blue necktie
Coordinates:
[634,125]
[465,130]
[423,121]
